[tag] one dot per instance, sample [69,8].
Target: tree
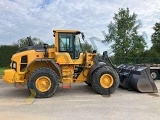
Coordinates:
[23,42]
[153,53]
[123,33]
[155,38]
[87,47]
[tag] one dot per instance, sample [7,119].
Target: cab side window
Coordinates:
[70,43]
[66,43]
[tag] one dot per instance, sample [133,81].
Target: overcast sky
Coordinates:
[37,18]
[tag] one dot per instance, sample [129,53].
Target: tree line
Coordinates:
[128,46]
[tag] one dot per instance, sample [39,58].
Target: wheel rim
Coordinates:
[43,84]
[154,75]
[106,80]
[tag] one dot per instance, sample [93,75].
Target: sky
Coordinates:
[38,18]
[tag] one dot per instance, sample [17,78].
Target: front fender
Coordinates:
[93,68]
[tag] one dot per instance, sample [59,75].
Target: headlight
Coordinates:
[14,65]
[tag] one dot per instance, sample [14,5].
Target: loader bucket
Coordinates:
[136,77]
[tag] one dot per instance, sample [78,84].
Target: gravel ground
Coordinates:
[79,102]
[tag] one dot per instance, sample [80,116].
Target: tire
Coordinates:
[43,83]
[110,78]
[154,74]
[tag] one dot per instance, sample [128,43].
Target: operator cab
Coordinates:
[69,41]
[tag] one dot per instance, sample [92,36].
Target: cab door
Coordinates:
[69,43]
[66,44]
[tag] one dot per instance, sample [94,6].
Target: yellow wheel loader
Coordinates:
[42,69]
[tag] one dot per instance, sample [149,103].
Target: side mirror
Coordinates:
[82,35]
[94,51]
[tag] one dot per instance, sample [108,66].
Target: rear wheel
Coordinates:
[105,80]
[154,74]
[43,82]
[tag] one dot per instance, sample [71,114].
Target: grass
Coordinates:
[2,69]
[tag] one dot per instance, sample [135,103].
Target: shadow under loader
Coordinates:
[134,77]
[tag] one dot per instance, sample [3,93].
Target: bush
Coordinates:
[6,52]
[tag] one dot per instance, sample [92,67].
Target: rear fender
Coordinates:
[39,63]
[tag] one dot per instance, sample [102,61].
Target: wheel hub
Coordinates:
[106,80]
[43,84]
[154,75]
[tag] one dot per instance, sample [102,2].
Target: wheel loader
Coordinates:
[42,68]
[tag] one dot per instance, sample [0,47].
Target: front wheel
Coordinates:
[43,82]
[154,74]
[105,80]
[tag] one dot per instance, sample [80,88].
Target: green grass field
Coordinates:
[2,69]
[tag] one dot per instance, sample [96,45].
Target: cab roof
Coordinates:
[67,31]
